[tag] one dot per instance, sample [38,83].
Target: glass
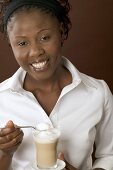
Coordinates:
[46,142]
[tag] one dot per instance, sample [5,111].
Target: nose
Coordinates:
[36,50]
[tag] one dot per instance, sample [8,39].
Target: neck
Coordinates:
[57,81]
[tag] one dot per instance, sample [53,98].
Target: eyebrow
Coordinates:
[23,36]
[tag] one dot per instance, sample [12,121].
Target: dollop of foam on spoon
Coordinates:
[43,126]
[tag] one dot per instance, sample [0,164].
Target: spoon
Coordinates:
[26,127]
[40,126]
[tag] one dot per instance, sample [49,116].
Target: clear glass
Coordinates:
[46,147]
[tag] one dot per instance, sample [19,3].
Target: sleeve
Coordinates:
[104,135]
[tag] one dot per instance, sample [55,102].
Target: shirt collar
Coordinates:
[78,77]
[15,83]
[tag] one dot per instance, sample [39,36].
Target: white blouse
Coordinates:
[83,112]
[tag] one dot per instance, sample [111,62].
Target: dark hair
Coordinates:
[64,19]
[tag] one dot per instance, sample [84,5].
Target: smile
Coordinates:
[39,65]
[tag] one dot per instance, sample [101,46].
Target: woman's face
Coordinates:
[35,39]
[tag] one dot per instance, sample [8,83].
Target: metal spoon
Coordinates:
[26,127]
[33,127]
[40,127]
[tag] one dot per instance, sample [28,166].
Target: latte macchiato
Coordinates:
[46,148]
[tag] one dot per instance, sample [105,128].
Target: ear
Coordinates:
[62,34]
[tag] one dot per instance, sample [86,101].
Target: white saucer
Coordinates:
[60,165]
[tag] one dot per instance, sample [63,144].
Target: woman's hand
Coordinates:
[68,166]
[10,138]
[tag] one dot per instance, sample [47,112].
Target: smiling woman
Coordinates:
[36,44]
[47,88]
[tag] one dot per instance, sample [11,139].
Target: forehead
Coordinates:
[35,18]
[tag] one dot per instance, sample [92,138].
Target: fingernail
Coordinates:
[61,156]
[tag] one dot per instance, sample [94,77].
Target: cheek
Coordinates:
[18,56]
[55,49]
[17,53]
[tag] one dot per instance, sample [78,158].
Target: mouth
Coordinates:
[40,65]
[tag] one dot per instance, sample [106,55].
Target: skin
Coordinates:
[35,38]
[10,139]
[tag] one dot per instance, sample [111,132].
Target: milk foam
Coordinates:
[43,126]
[45,133]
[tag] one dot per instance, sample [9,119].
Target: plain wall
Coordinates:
[90,42]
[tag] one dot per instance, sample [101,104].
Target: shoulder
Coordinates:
[91,81]
[13,82]
[100,85]
[4,83]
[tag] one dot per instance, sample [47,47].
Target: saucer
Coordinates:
[60,165]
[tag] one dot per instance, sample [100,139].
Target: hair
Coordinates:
[64,19]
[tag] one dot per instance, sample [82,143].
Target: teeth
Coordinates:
[39,65]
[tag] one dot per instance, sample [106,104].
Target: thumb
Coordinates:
[61,156]
[10,124]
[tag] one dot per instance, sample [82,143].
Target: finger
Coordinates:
[10,124]
[10,136]
[7,146]
[12,149]
[9,127]
[70,167]
[5,131]
[61,156]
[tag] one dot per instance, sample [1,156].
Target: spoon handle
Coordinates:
[26,127]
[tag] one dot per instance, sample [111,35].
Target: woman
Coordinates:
[48,88]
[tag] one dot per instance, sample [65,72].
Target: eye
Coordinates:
[44,38]
[22,43]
